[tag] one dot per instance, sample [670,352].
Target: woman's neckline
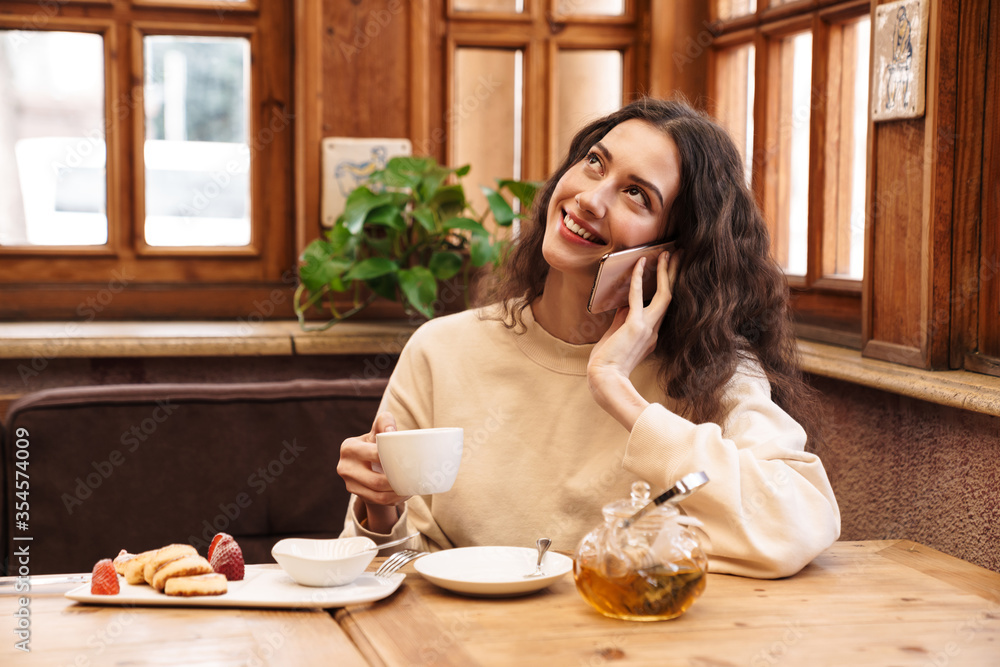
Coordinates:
[549,351]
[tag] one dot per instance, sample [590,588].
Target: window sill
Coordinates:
[49,340]
[957,389]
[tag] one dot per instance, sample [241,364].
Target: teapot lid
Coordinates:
[639,497]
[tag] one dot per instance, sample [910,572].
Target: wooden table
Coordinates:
[860,603]
[67,634]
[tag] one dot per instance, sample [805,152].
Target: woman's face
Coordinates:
[617,197]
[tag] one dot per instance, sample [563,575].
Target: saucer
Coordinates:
[491,571]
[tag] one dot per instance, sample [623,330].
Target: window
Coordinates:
[150,145]
[54,148]
[515,72]
[197,141]
[790,83]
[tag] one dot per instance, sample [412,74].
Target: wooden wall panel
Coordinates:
[989,267]
[897,238]
[308,67]
[366,72]
[971,131]
[680,34]
[910,199]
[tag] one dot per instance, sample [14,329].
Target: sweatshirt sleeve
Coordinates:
[416,518]
[768,508]
[408,398]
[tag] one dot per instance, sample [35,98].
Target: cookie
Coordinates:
[164,556]
[185,566]
[202,584]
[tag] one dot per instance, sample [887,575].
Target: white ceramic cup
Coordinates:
[421,461]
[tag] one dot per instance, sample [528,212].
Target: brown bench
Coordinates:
[140,466]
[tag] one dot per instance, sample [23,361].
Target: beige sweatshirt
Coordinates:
[541,457]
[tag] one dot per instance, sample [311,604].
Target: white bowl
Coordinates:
[324,562]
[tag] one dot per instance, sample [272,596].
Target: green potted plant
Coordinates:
[406,230]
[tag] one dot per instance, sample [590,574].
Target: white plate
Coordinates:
[491,571]
[263,586]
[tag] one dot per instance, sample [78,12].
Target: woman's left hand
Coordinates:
[629,340]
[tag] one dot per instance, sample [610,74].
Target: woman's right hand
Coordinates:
[361,470]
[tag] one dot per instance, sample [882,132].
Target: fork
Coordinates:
[396,561]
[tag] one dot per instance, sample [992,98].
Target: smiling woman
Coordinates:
[702,376]
[615,198]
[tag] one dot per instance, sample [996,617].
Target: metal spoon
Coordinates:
[679,491]
[379,547]
[543,545]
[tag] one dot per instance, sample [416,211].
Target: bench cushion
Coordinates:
[141,466]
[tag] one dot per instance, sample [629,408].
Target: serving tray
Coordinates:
[263,586]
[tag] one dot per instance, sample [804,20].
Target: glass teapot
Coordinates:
[650,569]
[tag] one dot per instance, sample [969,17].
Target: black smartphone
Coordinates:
[614,274]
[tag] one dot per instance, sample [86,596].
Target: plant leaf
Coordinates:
[373,267]
[340,238]
[525,191]
[381,245]
[431,182]
[412,164]
[420,288]
[385,286]
[337,284]
[405,171]
[387,215]
[359,203]
[444,265]
[502,212]
[425,217]
[318,267]
[466,223]
[463,170]
[449,200]
[482,251]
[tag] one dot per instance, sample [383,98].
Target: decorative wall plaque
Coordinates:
[347,163]
[899,65]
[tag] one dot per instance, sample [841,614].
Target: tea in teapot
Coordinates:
[650,569]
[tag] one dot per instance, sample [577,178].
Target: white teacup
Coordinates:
[421,461]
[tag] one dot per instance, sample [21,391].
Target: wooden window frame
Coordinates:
[835,106]
[550,9]
[826,308]
[541,33]
[140,30]
[974,298]
[772,138]
[985,356]
[113,137]
[61,282]
[220,7]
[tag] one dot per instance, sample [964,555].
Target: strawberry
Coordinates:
[227,559]
[215,542]
[104,579]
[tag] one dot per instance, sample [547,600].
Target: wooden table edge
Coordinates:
[406,622]
[956,572]
[349,625]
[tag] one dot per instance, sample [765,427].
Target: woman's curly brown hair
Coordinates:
[730,300]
